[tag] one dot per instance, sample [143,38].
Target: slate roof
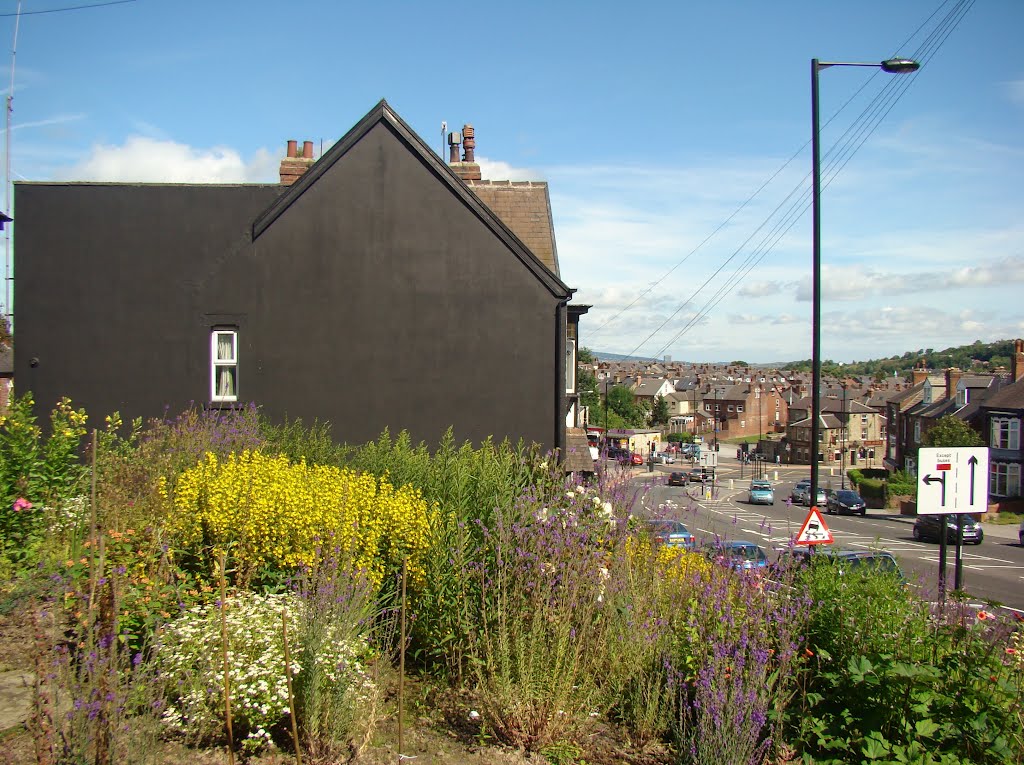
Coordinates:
[525,207]
[1010,397]
[577,451]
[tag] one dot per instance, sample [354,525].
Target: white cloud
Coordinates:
[495,170]
[760,289]
[147,160]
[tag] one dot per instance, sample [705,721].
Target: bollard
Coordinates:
[775,476]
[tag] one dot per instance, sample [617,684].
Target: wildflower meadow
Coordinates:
[211,582]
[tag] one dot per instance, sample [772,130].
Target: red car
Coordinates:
[637,459]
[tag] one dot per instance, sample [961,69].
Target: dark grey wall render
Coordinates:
[375,293]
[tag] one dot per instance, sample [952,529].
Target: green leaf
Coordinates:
[875,746]
[925,727]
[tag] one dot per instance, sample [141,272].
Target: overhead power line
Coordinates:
[835,160]
[69,8]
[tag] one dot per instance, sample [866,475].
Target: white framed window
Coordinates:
[739,407]
[917,431]
[743,423]
[962,397]
[224,364]
[1004,479]
[570,366]
[1005,433]
[730,407]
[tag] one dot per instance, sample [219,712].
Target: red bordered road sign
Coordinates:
[814,531]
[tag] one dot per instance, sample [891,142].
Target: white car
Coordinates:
[666,458]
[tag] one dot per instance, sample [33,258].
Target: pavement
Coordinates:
[15,698]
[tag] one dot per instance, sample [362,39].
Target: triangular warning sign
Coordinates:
[814,531]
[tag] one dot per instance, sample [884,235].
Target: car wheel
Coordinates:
[918,536]
[863,512]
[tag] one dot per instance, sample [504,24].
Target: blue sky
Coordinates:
[653,123]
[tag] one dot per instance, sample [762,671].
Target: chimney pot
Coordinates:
[454,139]
[307,150]
[468,143]
[292,149]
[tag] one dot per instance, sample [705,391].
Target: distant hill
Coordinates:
[976,357]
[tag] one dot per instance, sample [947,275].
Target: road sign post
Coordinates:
[952,480]
[814,531]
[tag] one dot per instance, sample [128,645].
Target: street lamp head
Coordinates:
[900,66]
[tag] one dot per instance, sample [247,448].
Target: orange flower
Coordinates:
[983,615]
[808,653]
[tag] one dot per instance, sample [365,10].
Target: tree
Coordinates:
[951,431]
[621,402]
[659,413]
[5,332]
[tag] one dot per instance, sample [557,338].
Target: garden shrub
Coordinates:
[541,617]
[889,680]
[272,512]
[37,474]
[192,668]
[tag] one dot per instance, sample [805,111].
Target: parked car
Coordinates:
[637,458]
[800,491]
[618,453]
[846,501]
[929,527]
[666,458]
[761,492]
[737,554]
[822,497]
[1020,534]
[849,560]
[672,533]
[677,479]
[701,474]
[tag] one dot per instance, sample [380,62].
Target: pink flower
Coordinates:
[22,504]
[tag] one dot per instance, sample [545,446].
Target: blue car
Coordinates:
[740,555]
[761,492]
[672,533]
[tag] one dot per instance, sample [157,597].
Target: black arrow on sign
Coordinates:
[940,480]
[973,462]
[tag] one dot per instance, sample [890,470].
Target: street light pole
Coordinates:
[842,477]
[891,66]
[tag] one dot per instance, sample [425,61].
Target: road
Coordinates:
[993,570]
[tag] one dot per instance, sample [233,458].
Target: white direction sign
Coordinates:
[952,480]
[709,459]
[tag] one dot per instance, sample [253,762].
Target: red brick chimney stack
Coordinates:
[293,165]
[920,373]
[467,169]
[953,375]
[1017,362]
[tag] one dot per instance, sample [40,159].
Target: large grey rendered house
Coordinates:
[373,288]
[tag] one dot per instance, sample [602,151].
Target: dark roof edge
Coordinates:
[383,113]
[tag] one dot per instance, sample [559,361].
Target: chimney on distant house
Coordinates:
[953,375]
[920,372]
[467,169]
[1017,362]
[293,165]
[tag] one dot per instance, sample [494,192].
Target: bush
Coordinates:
[192,669]
[273,513]
[37,474]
